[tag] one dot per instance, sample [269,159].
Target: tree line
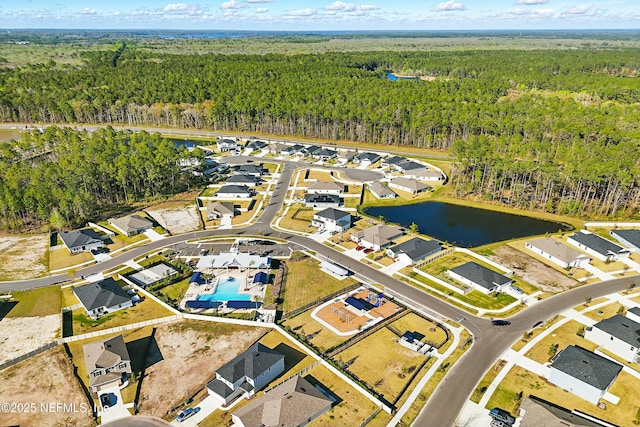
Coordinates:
[542,129]
[64,177]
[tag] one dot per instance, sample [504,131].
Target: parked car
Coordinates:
[189,412]
[368,250]
[359,248]
[538,324]
[107,400]
[502,415]
[500,323]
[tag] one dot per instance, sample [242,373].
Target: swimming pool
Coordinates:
[226,290]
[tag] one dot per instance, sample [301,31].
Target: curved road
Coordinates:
[458,384]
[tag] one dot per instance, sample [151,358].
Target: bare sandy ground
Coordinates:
[21,335]
[42,391]
[189,354]
[533,271]
[177,219]
[23,257]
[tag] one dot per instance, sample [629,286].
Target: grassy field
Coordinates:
[535,332]
[316,333]
[563,337]
[520,380]
[306,283]
[175,291]
[414,323]
[488,378]
[61,258]
[36,302]
[68,297]
[386,369]
[605,312]
[294,358]
[145,310]
[298,218]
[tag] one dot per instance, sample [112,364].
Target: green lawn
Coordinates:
[563,336]
[61,258]
[36,302]
[306,283]
[176,291]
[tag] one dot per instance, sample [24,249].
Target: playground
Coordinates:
[350,313]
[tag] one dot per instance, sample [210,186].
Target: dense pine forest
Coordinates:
[65,177]
[552,130]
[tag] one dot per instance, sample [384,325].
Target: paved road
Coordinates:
[458,384]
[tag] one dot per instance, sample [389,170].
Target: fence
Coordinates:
[121,328]
[370,417]
[435,257]
[320,301]
[32,353]
[301,372]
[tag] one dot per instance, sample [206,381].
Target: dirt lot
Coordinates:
[23,257]
[533,271]
[177,219]
[21,335]
[39,387]
[190,353]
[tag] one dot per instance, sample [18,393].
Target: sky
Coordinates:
[327,15]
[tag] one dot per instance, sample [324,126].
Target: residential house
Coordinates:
[294,403]
[377,237]
[322,187]
[558,253]
[583,373]
[409,166]
[409,185]
[335,270]
[290,150]
[634,314]
[366,159]
[599,247]
[131,225]
[414,250]
[246,374]
[276,148]
[226,144]
[345,156]
[83,240]
[537,412]
[103,297]
[107,362]
[248,180]
[322,200]
[479,277]
[241,260]
[629,238]
[308,151]
[256,145]
[324,154]
[332,220]
[381,191]
[425,175]
[392,161]
[219,210]
[247,169]
[618,334]
[234,192]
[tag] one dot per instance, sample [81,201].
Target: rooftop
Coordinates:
[416,248]
[332,213]
[622,328]
[557,249]
[106,293]
[252,363]
[586,366]
[78,238]
[410,183]
[381,189]
[324,185]
[131,223]
[379,234]
[599,244]
[480,275]
[632,236]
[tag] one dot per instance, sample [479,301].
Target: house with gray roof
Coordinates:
[248,180]
[232,191]
[414,250]
[296,402]
[276,148]
[103,297]
[630,238]
[331,219]
[634,314]
[599,247]
[479,277]
[254,170]
[381,191]
[556,252]
[377,237]
[308,151]
[216,210]
[583,373]
[255,145]
[409,166]
[322,200]
[246,373]
[83,240]
[226,144]
[107,362]
[409,185]
[345,156]
[366,159]
[324,187]
[131,225]
[290,150]
[617,334]
[425,174]
[393,160]
[324,154]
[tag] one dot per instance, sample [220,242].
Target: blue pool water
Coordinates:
[227,290]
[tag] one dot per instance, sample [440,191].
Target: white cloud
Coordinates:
[449,6]
[530,2]
[259,1]
[580,10]
[232,4]
[87,11]
[262,10]
[348,8]
[175,7]
[299,12]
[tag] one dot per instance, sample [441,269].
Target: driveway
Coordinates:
[207,406]
[116,411]
[153,235]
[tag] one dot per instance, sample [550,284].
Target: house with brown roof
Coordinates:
[377,237]
[107,362]
[409,185]
[381,191]
[557,253]
[294,403]
[131,225]
[323,187]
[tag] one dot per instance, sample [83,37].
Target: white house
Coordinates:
[253,170]
[583,373]
[234,192]
[634,314]
[597,246]
[409,185]
[409,166]
[322,187]
[131,225]
[366,159]
[558,253]
[248,180]
[246,374]
[322,200]
[629,238]
[345,156]
[107,362]
[100,298]
[617,334]
[83,240]
[217,210]
[381,191]
[324,154]
[226,144]
[331,219]
[290,150]
[425,175]
[392,161]
[377,237]
[479,277]
[414,250]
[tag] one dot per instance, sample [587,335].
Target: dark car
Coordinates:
[538,324]
[500,323]
[107,400]
[368,250]
[189,412]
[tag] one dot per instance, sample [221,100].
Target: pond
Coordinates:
[394,77]
[465,226]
